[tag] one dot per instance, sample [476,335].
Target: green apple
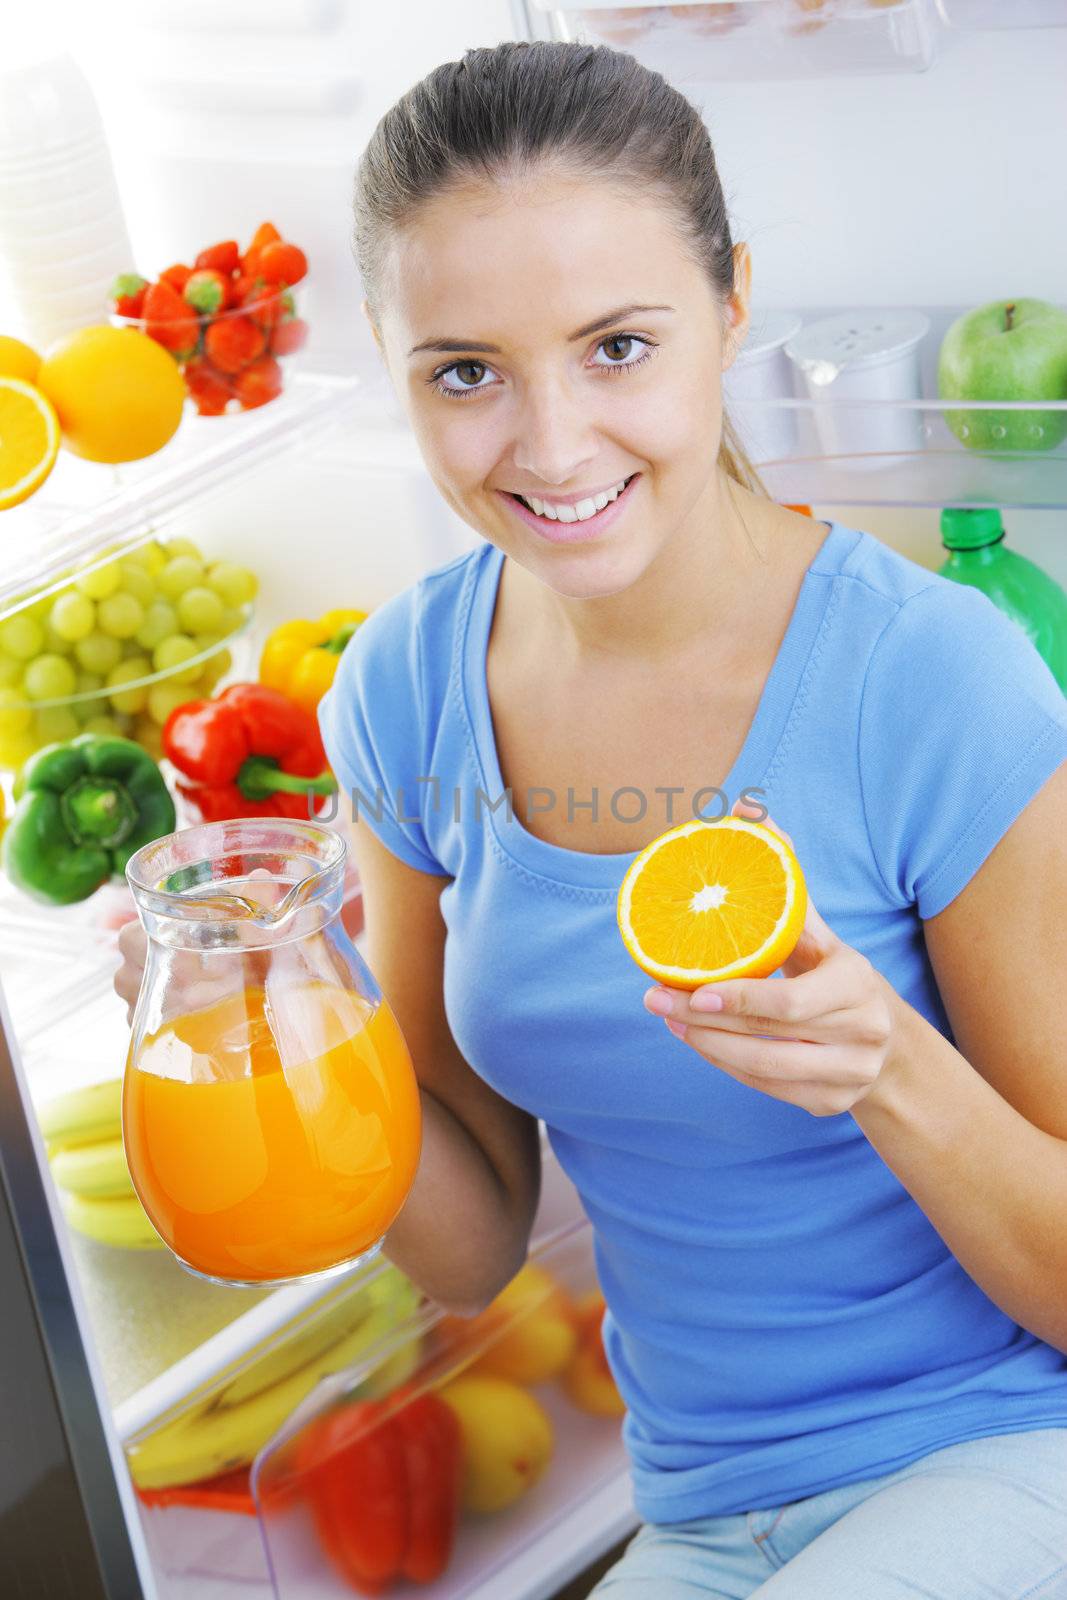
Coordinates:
[1008,350]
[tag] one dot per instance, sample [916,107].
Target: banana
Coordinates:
[219,1438]
[314,1337]
[83,1116]
[119,1222]
[97,1171]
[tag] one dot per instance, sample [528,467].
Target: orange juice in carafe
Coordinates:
[271,1115]
[271,1146]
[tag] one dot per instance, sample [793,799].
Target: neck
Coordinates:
[690,595]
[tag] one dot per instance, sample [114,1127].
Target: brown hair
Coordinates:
[596,110]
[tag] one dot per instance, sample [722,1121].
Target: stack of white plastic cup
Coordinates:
[761,372]
[859,356]
[63,235]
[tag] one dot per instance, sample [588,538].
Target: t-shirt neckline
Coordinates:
[583,868]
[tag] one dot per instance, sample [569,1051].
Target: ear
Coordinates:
[738,305]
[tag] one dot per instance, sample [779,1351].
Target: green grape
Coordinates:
[200,610]
[160,621]
[73,616]
[106,725]
[233,584]
[54,642]
[99,582]
[22,636]
[126,672]
[89,683]
[10,671]
[163,697]
[139,582]
[16,749]
[183,547]
[170,655]
[150,556]
[50,677]
[231,621]
[179,574]
[120,615]
[218,666]
[98,652]
[149,736]
[15,714]
[56,724]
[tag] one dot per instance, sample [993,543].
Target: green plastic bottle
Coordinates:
[979,556]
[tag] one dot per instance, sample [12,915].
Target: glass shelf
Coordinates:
[867,452]
[1003,13]
[85,506]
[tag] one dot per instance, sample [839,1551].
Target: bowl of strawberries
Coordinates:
[235,321]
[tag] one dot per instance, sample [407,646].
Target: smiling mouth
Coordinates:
[625,484]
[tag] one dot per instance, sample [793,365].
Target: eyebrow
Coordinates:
[449,343]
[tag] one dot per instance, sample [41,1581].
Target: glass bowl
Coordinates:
[239,357]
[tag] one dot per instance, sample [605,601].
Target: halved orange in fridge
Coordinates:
[29,440]
[708,901]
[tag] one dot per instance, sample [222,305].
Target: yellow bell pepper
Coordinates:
[301,657]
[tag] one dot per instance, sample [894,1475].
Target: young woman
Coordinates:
[831,1217]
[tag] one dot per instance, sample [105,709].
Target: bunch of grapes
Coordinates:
[73,661]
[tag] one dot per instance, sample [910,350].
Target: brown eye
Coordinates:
[619,339]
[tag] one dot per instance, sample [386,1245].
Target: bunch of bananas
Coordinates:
[83,1135]
[227,1429]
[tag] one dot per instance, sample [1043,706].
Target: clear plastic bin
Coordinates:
[698,41]
[567,1489]
[1003,13]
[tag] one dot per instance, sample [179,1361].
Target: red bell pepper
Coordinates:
[383,1478]
[250,752]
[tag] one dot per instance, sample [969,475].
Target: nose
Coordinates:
[554,435]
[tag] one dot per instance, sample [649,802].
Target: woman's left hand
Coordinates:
[819,1037]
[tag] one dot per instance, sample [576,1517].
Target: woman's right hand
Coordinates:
[133,947]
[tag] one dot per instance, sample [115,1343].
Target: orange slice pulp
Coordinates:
[29,440]
[708,901]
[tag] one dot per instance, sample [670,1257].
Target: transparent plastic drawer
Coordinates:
[1003,13]
[465,1456]
[706,40]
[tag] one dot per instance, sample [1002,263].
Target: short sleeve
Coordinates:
[371,725]
[961,723]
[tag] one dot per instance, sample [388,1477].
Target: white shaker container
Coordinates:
[762,372]
[857,356]
[63,235]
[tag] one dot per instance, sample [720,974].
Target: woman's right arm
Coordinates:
[465,1227]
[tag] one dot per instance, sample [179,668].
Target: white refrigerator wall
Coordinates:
[934,188]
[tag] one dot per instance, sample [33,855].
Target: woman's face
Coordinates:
[577,393]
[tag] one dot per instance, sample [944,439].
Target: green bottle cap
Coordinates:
[963,528]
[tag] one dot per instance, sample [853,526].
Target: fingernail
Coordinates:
[660,1004]
[706,1002]
[677,1028]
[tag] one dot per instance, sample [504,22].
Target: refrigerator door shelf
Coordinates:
[699,42]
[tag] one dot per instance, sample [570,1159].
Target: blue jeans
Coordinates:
[981,1520]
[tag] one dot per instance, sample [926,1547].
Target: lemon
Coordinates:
[17,360]
[118,394]
[29,440]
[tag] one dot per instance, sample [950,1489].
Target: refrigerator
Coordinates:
[884,158]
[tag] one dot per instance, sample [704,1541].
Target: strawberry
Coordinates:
[258,383]
[231,343]
[169,320]
[288,336]
[282,263]
[263,302]
[265,234]
[224,257]
[127,294]
[207,291]
[177,276]
[208,388]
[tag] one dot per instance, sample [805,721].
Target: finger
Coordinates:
[741,808]
[784,1061]
[771,1005]
[133,942]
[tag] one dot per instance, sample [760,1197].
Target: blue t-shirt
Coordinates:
[782,1316]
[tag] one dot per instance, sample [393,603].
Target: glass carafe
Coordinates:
[270,1111]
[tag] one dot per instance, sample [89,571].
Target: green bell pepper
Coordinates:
[83,808]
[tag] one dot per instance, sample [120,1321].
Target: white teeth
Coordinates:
[580,512]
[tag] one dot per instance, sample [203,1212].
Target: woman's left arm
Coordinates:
[977,1134]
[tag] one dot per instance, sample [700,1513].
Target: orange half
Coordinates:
[29,440]
[708,901]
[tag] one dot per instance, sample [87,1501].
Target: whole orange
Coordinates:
[118,394]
